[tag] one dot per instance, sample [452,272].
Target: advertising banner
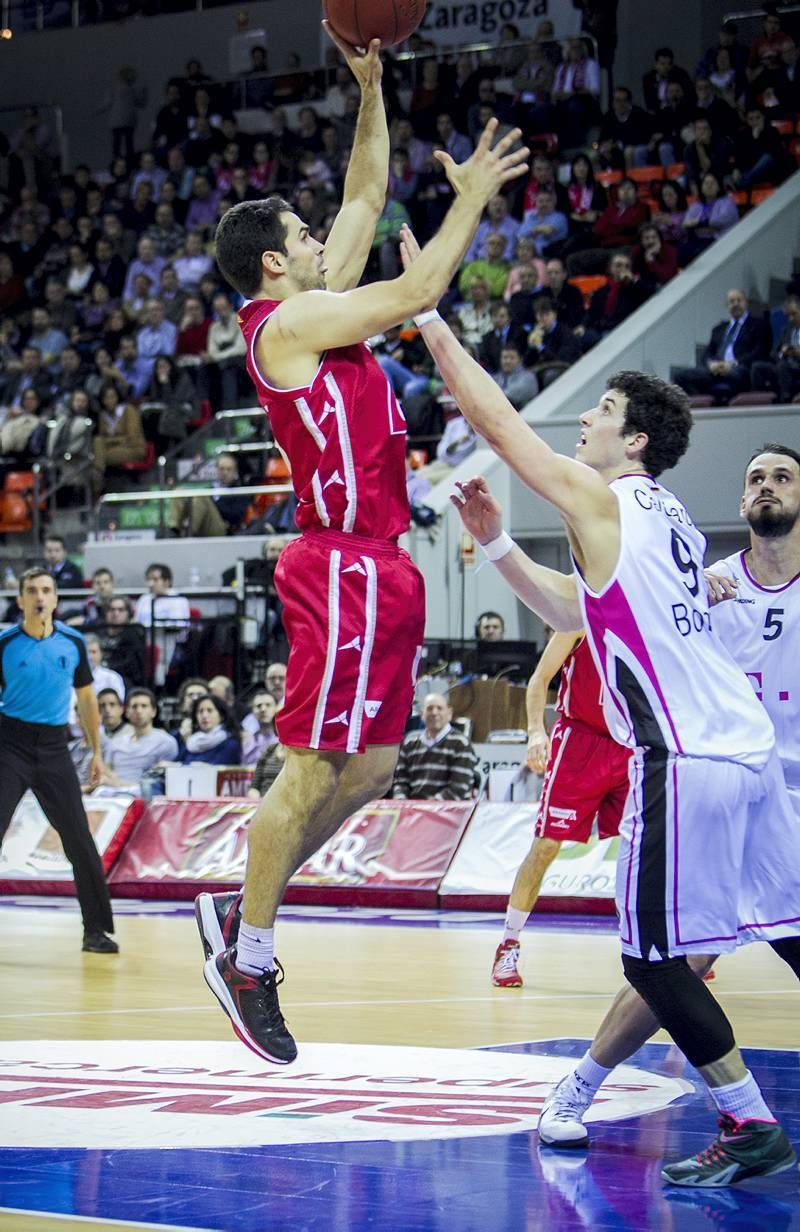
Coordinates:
[32,850]
[494,846]
[452,22]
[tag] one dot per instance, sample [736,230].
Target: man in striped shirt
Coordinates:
[437,763]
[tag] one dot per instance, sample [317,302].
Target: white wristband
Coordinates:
[425,318]
[497,548]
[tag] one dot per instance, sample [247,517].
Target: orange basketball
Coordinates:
[358,21]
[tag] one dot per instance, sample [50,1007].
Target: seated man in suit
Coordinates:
[517,382]
[733,348]
[503,330]
[782,373]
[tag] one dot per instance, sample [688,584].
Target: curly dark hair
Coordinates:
[245,232]
[661,411]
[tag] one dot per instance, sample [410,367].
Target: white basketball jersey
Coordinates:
[670,682]
[761,630]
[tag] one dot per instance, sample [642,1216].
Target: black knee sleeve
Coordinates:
[683,1006]
[788,948]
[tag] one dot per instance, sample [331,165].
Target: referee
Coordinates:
[40,663]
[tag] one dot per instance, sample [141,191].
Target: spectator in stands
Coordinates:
[767,47]
[786,86]
[438,762]
[120,438]
[503,331]
[525,260]
[203,516]
[139,746]
[587,200]
[27,373]
[758,152]
[263,709]
[134,305]
[672,125]
[496,221]
[567,299]
[617,227]
[720,115]
[781,373]
[214,738]
[123,642]
[656,81]
[727,39]
[576,90]
[613,303]
[627,129]
[192,346]
[275,681]
[546,225]
[193,264]
[110,267]
[112,711]
[457,442]
[671,211]
[80,274]
[102,677]
[157,336]
[121,105]
[475,316]
[170,124]
[552,346]
[268,767]
[517,382]
[169,405]
[171,295]
[66,572]
[706,153]
[93,611]
[734,346]
[148,262]
[493,269]
[166,234]
[458,145]
[49,342]
[406,362]
[490,627]
[654,262]
[20,424]
[707,219]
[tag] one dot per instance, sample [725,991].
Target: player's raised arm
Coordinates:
[342,320]
[351,235]
[577,492]
[551,595]
[553,656]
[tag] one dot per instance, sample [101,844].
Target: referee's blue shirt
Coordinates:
[37,675]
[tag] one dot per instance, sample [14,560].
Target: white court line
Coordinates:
[97,1221]
[372,1003]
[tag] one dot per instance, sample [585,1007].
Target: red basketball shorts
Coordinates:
[354,614]
[586,779]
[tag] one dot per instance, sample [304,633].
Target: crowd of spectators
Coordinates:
[116,329]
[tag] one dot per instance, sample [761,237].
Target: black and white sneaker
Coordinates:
[740,1150]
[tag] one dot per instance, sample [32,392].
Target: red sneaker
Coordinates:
[504,968]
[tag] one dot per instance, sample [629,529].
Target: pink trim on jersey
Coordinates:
[635,790]
[370,621]
[767,590]
[675,854]
[612,611]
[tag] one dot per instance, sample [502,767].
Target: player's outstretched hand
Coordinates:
[478,509]
[720,587]
[364,63]
[489,167]
[409,246]
[537,751]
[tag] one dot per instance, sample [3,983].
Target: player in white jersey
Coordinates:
[760,627]
[704,757]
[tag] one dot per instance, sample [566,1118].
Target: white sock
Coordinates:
[255,950]
[589,1076]
[515,922]
[742,1099]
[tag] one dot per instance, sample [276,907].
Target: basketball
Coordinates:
[358,21]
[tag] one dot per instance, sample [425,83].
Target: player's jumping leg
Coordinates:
[525,891]
[307,803]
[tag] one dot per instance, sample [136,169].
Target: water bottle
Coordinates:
[194,577]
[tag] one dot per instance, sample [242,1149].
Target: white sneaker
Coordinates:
[561,1119]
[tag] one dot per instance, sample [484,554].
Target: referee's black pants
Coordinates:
[35,756]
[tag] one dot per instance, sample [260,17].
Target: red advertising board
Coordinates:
[391,852]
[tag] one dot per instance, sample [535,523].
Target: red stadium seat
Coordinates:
[754,397]
[135,468]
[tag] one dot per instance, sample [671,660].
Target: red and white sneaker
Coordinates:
[504,968]
[709,975]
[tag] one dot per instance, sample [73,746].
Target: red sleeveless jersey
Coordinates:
[581,690]
[344,436]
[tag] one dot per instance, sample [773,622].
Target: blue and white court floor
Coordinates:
[101,1124]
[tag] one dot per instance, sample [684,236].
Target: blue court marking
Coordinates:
[405,917]
[487,1184]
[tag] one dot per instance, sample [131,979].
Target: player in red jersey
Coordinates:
[585,780]
[353,600]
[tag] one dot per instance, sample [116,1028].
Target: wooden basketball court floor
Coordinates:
[380,996]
